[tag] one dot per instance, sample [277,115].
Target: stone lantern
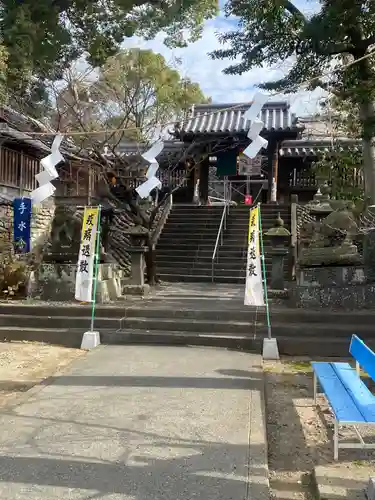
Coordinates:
[320,206]
[138,240]
[279,237]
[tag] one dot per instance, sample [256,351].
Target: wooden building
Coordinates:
[219,133]
[24,141]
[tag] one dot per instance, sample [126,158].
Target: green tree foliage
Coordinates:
[274,31]
[136,90]
[3,73]
[42,37]
[341,166]
[342,169]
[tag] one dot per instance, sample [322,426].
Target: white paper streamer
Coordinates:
[44,177]
[256,127]
[253,149]
[151,154]
[152,169]
[56,143]
[49,162]
[145,189]
[152,182]
[256,107]
[42,193]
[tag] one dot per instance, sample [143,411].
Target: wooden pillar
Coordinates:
[203,180]
[273,171]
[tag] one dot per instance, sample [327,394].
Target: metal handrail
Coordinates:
[223,223]
[163,219]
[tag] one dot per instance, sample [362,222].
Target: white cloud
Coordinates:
[197,65]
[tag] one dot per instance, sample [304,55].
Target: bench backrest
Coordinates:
[363,355]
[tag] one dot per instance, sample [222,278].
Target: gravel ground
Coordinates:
[25,364]
[300,435]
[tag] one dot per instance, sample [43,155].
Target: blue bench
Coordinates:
[351,401]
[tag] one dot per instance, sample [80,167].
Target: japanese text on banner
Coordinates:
[254,293]
[86,258]
[22,224]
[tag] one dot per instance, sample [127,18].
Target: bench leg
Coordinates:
[315,388]
[336,441]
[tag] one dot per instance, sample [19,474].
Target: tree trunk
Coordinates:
[364,98]
[367,117]
[151,263]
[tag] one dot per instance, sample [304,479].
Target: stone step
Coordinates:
[185,232]
[160,306]
[194,239]
[187,245]
[289,338]
[65,322]
[205,252]
[237,327]
[289,344]
[186,270]
[238,225]
[197,278]
[194,216]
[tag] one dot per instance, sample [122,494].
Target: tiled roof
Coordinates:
[305,147]
[172,150]
[228,118]
[24,138]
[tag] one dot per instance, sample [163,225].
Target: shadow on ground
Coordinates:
[140,476]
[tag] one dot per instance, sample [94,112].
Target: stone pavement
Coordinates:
[140,423]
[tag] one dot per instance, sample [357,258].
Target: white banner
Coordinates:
[254,291]
[86,258]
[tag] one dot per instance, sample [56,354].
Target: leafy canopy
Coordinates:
[42,37]
[274,31]
[135,90]
[277,31]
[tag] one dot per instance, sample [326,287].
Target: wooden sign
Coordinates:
[248,166]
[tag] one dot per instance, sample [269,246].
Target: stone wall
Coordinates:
[41,221]
[303,216]
[332,288]
[42,218]
[56,282]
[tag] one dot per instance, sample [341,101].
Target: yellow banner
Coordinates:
[254,228]
[90,221]
[86,257]
[254,293]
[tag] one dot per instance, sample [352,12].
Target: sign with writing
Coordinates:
[254,293]
[22,224]
[86,258]
[249,166]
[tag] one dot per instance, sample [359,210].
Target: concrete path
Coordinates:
[140,423]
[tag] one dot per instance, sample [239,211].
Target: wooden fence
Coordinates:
[18,170]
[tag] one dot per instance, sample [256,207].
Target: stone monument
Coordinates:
[55,276]
[330,268]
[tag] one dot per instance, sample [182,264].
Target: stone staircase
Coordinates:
[186,245]
[230,265]
[203,314]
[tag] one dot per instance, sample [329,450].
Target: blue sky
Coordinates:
[197,65]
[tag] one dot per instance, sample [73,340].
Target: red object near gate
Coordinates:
[248,200]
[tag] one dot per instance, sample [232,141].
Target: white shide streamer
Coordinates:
[152,181]
[44,178]
[257,142]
